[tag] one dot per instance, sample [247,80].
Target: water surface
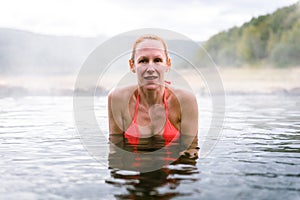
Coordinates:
[256,157]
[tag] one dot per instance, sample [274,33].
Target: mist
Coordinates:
[37,64]
[41,64]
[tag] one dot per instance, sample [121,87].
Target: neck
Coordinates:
[151,97]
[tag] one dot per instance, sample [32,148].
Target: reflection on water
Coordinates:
[160,183]
[257,156]
[151,153]
[150,169]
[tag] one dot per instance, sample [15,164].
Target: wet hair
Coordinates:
[148,37]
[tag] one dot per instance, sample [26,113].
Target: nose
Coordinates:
[150,68]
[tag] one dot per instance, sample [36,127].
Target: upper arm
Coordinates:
[189,115]
[114,114]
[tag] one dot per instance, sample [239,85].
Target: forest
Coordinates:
[267,40]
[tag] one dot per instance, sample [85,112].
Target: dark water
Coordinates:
[256,157]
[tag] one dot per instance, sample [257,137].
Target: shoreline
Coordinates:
[260,80]
[247,80]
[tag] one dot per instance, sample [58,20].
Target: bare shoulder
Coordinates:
[121,94]
[118,99]
[184,96]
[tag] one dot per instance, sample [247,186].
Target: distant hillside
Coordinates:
[23,52]
[272,39]
[27,53]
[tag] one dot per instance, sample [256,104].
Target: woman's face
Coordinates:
[150,64]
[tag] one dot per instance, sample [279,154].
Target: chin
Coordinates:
[151,86]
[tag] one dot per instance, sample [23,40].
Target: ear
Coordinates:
[168,63]
[131,65]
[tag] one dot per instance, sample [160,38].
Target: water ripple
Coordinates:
[256,157]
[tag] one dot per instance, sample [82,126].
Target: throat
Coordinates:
[150,98]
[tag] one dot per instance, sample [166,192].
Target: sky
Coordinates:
[196,19]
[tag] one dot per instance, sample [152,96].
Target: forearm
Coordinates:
[189,142]
[189,146]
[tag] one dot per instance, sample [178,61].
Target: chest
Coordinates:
[153,121]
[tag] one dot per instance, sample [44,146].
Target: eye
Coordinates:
[157,60]
[142,61]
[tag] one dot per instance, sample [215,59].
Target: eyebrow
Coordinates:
[155,56]
[142,57]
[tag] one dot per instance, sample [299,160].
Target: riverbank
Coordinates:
[235,81]
[261,80]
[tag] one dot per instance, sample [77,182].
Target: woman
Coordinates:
[152,108]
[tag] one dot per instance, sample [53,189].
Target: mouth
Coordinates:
[149,78]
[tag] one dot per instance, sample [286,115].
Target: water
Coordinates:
[257,156]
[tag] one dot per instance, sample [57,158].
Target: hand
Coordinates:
[190,153]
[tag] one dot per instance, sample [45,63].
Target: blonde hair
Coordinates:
[148,37]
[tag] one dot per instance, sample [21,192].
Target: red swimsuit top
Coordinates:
[132,134]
